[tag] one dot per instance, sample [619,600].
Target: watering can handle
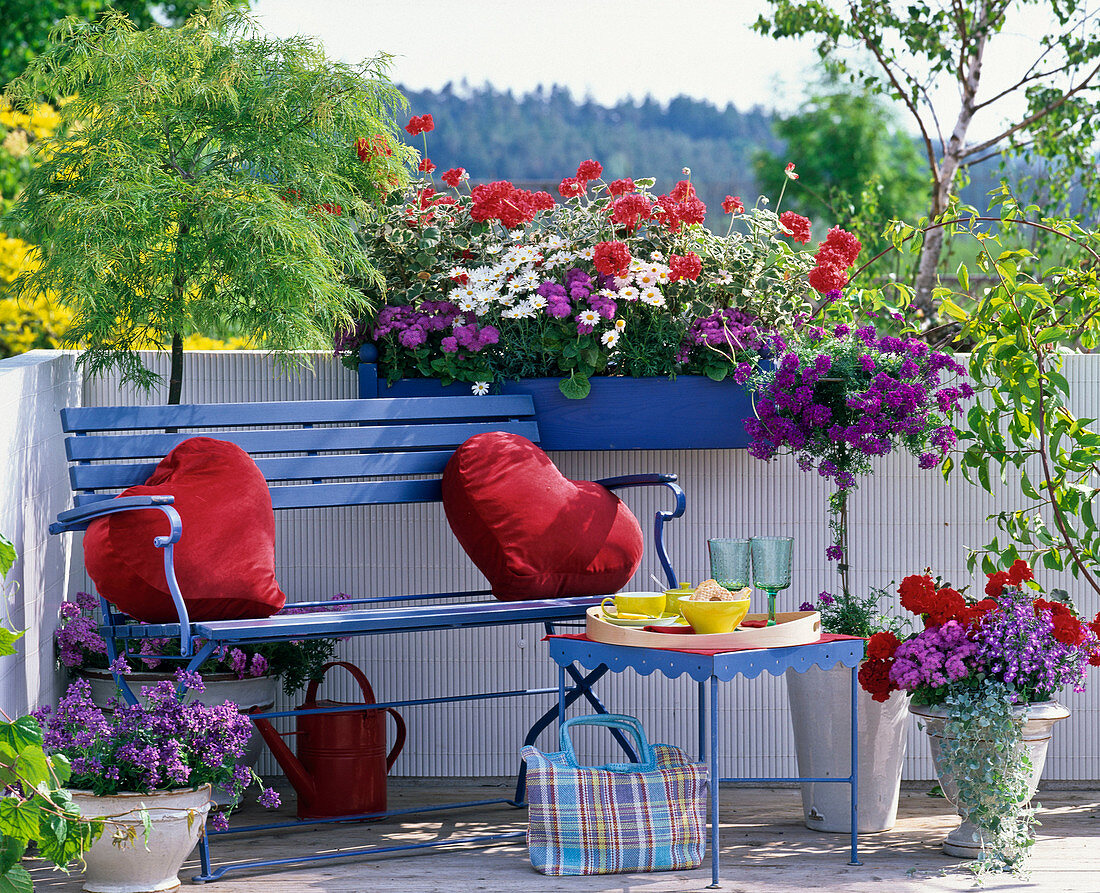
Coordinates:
[364,684]
[400,742]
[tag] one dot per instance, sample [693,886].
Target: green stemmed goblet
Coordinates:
[771,566]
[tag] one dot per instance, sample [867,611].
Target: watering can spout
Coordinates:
[291,765]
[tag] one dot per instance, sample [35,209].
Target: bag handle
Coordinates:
[647,758]
[364,685]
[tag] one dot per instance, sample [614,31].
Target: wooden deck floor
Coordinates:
[764,849]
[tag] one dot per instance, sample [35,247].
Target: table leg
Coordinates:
[702,720]
[855,767]
[713,783]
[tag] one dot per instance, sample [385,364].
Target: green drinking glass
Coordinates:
[771,566]
[729,562]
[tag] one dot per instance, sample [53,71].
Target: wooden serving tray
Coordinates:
[791,628]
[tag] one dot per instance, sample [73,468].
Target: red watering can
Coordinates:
[342,762]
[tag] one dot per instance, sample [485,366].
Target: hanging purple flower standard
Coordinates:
[837,399]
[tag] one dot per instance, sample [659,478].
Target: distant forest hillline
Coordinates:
[537,139]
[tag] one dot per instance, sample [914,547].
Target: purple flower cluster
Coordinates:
[730,331]
[937,656]
[1018,646]
[161,744]
[411,325]
[580,292]
[77,636]
[471,337]
[842,398]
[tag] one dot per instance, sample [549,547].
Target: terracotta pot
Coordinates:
[122,860]
[967,840]
[821,706]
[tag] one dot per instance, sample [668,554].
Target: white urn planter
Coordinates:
[132,864]
[967,840]
[821,708]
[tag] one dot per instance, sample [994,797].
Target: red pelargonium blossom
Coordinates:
[882,645]
[502,201]
[420,124]
[680,206]
[874,676]
[376,145]
[589,170]
[454,176]
[732,204]
[917,592]
[1067,628]
[826,279]
[668,212]
[971,615]
[686,267]
[795,225]
[571,187]
[630,210]
[840,248]
[335,210]
[945,605]
[611,258]
[995,583]
[789,171]
[426,165]
[692,210]
[1020,572]
[1094,655]
[620,187]
[682,191]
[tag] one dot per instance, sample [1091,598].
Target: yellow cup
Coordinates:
[708,618]
[636,605]
[673,596]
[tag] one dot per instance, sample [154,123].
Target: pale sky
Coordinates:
[603,49]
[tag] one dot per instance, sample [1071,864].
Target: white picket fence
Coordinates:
[902,520]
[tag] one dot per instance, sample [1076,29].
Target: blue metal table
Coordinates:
[718,667]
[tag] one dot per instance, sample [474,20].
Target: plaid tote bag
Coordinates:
[620,817]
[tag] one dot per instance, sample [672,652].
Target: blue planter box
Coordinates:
[691,412]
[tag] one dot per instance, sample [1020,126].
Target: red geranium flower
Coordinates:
[687,267]
[795,225]
[571,187]
[789,171]
[882,645]
[1019,572]
[682,191]
[946,605]
[454,176]
[995,583]
[824,279]
[629,210]
[421,124]
[589,170]
[426,166]
[874,676]
[732,204]
[917,593]
[611,258]
[693,210]
[620,187]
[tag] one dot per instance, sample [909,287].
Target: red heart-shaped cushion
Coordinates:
[530,530]
[225,560]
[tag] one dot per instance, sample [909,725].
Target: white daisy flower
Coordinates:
[646,278]
[653,297]
[609,339]
[724,277]
[588,317]
[661,275]
[620,324]
[536,302]
[467,304]
[622,282]
[480,388]
[555,243]
[630,293]
[455,272]
[587,253]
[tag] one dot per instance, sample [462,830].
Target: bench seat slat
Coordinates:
[403,619]
[310,412]
[296,468]
[289,440]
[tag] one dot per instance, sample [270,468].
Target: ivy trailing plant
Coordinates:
[34,806]
[982,750]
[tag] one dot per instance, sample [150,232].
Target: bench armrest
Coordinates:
[79,518]
[659,518]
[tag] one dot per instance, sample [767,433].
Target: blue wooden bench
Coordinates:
[317,454]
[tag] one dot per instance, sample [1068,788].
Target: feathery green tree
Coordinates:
[203,176]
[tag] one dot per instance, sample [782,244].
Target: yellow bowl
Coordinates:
[707,618]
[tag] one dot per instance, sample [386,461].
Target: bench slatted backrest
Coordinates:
[312,453]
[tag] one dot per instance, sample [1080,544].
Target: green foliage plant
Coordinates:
[203,179]
[34,806]
[1019,333]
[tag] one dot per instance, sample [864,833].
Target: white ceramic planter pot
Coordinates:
[967,841]
[134,866]
[821,709]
